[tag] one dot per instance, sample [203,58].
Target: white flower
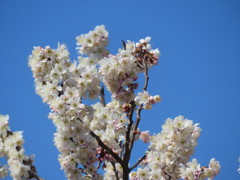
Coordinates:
[65,86]
[94,42]
[142,98]
[145,136]
[146,40]
[3,171]
[4,124]
[143,173]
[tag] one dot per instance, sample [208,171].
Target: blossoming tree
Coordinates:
[102,135]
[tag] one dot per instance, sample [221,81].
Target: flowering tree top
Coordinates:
[102,135]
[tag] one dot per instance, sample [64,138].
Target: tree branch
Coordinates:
[146,76]
[127,152]
[138,162]
[121,145]
[140,107]
[104,146]
[136,126]
[129,128]
[102,96]
[115,170]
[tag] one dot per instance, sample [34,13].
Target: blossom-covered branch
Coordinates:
[11,146]
[89,136]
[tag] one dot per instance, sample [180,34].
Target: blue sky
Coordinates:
[197,76]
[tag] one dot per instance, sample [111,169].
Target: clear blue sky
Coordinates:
[197,76]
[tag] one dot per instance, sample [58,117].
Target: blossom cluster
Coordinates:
[110,124]
[11,146]
[94,42]
[192,170]
[110,174]
[119,72]
[62,85]
[169,152]
[3,171]
[146,99]
[102,134]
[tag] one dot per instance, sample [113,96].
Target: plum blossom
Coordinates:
[171,149]
[145,136]
[3,171]
[192,170]
[94,42]
[19,164]
[90,134]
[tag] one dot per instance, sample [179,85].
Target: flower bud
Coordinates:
[157,99]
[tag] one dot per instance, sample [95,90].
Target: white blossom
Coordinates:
[90,134]
[19,165]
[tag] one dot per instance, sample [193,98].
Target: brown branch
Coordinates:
[127,152]
[129,128]
[115,170]
[136,126]
[124,45]
[146,76]
[138,162]
[102,96]
[140,107]
[129,142]
[121,145]
[108,150]
[99,164]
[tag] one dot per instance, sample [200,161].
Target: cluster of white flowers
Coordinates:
[110,123]
[94,42]
[146,99]
[103,134]
[3,171]
[11,146]
[192,170]
[170,151]
[62,85]
[110,172]
[119,72]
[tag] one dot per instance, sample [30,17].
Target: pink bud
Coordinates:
[145,136]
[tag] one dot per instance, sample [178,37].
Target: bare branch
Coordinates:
[146,76]
[115,170]
[124,45]
[138,162]
[122,147]
[102,96]
[99,164]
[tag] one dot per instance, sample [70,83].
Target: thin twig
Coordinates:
[127,151]
[140,107]
[136,126]
[99,164]
[146,76]
[138,162]
[129,128]
[124,45]
[102,96]
[104,146]
[122,147]
[115,170]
